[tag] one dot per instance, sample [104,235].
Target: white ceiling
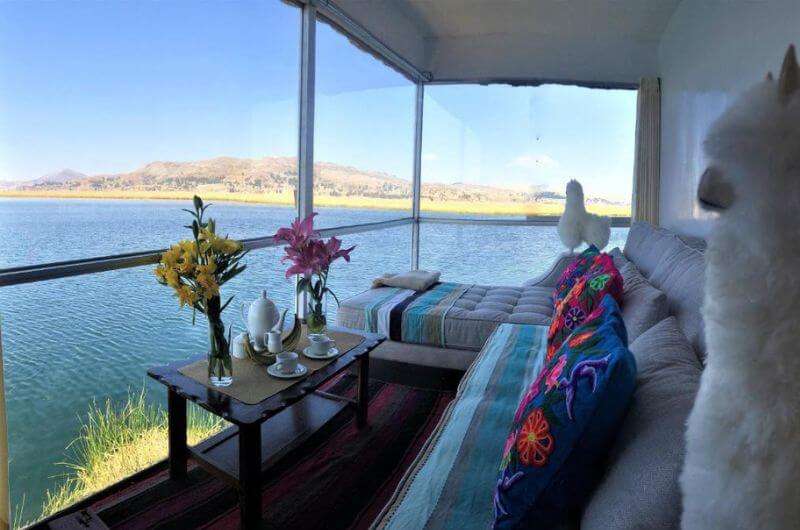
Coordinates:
[588,41]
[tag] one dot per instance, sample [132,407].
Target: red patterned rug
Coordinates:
[340,478]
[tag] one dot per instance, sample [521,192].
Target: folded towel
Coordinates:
[415,280]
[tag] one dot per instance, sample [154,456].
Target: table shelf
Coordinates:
[280,434]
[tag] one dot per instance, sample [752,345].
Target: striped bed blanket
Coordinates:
[451,483]
[413,316]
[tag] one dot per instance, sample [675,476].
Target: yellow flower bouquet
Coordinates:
[196,269]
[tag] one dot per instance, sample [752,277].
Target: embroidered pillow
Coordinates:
[573,272]
[601,278]
[565,424]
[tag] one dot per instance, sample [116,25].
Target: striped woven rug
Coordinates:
[342,480]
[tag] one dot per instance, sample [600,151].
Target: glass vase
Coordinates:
[316,319]
[220,366]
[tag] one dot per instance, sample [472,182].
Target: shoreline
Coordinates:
[451,207]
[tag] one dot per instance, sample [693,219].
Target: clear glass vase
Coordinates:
[316,318]
[220,366]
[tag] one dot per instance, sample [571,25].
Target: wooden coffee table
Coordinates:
[262,432]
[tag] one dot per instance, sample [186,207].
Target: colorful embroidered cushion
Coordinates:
[600,279]
[573,272]
[565,424]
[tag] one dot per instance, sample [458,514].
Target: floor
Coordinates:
[340,478]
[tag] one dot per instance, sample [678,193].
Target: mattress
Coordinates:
[464,322]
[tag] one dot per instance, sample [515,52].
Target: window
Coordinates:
[364,135]
[163,101]
[141,101]
[493,255]
[508,151]
[73,343]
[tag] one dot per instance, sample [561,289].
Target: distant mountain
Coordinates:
[274,175]
[60,177]
[65,175]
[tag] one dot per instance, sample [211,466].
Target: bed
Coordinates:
[448,315]
[451,315]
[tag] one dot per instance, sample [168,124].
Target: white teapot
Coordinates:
[261,316]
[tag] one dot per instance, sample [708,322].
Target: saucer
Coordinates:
[274,371]
[333,352]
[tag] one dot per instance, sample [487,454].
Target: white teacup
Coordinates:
[320,344]
[287,362]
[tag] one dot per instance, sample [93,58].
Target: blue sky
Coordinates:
[107,87]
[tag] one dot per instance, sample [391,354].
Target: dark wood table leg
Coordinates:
[178,451]
[250,475]
[363,391]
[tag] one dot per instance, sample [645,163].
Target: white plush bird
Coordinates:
[577,225]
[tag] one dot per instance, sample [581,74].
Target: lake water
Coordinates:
[71,341]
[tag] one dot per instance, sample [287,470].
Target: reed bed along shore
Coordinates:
[115,441]
[488,208]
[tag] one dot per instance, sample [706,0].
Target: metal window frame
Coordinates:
[361,37]
[305,144]
[79,267]
[531,220]
[416,183]
[534,82]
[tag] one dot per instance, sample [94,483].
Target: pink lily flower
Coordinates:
[335,251]
[308,253]
[298,233]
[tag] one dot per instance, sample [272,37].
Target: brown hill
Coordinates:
[276,175]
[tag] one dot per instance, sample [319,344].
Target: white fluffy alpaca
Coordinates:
[576,225]
[742,467]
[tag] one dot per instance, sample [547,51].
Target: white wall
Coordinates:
[711,51]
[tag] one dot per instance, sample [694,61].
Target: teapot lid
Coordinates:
[262,302]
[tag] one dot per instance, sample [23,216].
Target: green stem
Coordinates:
[219,357]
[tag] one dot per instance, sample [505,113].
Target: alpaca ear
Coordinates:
[789,80]
[714,192]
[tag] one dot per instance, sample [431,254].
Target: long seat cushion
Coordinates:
[473,317]
[451,483]
[482,308]
[640,488]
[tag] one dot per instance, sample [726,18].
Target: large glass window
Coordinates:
[72,344]
[140,101]
[507,151]
[105,107]
[491,254]
[364,135]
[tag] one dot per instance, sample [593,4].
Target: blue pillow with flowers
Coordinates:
[565,424]
[574,271]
